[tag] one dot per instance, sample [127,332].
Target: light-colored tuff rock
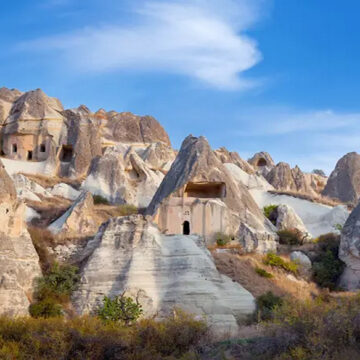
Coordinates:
[226,156]
[130,254]
[288,219]
[7,98]
[121,176]
[19,262]
[262,162]
[129,128]
[344,181]
[196,177]
[349,251]
[78,220]
[300,258]
[251,181]
[27,189]
[64,190]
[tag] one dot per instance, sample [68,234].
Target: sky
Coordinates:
[280,76]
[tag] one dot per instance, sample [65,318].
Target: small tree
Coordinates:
[121,309]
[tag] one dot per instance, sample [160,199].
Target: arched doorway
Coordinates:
[261,162]
[186,228]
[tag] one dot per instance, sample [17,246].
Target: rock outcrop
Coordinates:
[262,162]
[300,258]
[197,164]
[78,220]
[344,182]
[19,262]
[130,254]
[226,156]
[349,251]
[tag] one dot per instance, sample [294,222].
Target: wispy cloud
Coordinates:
[202,39]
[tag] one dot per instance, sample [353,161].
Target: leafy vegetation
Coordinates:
[270,212]
[263,273]
[272,259]
[176,337]
[54,289]
[266,304]
[121,309]
[98,199]
[338,227]
[291,237]
[222,239]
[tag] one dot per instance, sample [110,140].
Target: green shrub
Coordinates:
[45,308]
[291,237]
[266,304]
[222,239]
[276,261]
[327,267]
[263,273]
[338,227]
[98,199]
[270,212]
[58,283]
[121,309]
[126,209]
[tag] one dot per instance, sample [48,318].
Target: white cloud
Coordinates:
[203,39]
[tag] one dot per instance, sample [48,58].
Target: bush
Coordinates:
[291,237]
[126,209]
[270,212]
[45,308]
[98,199]
[121,309]
[222,239]
[263,273]
[276,261]
[327,267]
[58,283]
[266,304]
[176,337]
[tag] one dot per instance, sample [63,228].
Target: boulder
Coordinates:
[130,254]
[27,189]
[64,190]
[79,219]
[344,181]
[300,258]
[288,219]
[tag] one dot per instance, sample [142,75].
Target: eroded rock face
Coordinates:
[130,254]
[349,251]
[19,262]
[78,220]
[226,156]
[262,162]
[300,258]
[344,181]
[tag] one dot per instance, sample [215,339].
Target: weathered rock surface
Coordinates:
[344,181]
[288,219]
[130,254]
[121,176]
[78,220]
[262,162]
[64,190]
[226,156]
[300,258]
[195,163]
[7,98]
[349,251]
[19,262]
[27,189]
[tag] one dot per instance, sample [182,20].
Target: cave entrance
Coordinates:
[186,228]
[205,190]
[29,155]
[66,153]
[261,162]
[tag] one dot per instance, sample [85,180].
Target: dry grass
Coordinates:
[313,198]
[241,268]
[50,181]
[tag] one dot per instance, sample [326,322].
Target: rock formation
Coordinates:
[130,254]
[233,157]
[262,162]
[19,262]
[199,192]
[300,258]
[349,251]
[344,181]
[79,220]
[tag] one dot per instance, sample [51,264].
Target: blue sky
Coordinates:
[276,75]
